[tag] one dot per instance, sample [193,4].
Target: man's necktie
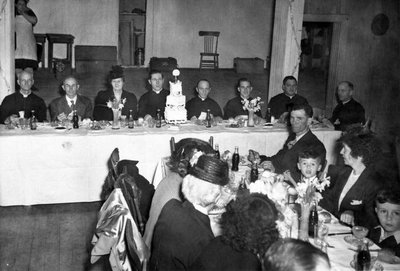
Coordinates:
[290,144]
[72,105]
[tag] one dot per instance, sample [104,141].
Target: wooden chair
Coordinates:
[209,58]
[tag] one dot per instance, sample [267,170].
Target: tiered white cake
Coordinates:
[175,111]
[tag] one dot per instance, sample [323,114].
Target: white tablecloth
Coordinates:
[60,166]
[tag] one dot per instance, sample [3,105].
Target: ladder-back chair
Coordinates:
[209,58]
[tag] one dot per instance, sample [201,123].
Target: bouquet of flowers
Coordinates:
[115,104]
[253,105]
[308,190]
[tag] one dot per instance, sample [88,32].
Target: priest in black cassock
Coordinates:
[155,98]
[348,112]
[23,100]
[234,107]
[283,103]
[202,102]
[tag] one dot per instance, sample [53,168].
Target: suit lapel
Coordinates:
[356,191]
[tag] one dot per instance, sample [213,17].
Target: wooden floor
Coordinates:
[48,237]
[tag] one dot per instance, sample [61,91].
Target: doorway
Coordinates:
[313,75]
[132,32]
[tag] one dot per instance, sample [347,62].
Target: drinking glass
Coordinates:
[321,233]
[359,232]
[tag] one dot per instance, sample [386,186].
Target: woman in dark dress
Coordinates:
[116,95]
[25,51]
[248,229]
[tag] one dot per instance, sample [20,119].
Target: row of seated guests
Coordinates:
[348,111]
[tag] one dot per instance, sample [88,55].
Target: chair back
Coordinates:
[172,145]
[210,41]
[131,194]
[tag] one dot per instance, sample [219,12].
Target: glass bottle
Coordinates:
[363,257]
[313,221]
[254,173]
[75,120]
[208,119]
[217,154]
[33,121]
[268,116]
[130,120]
[235,159]
[158,118]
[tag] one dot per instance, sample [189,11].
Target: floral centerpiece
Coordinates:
[252,106]
[308,192]
[116,106]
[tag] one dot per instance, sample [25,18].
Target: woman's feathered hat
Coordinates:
[211,169]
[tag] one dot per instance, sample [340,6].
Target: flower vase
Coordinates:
[304,222]
[250,121]
[115,123]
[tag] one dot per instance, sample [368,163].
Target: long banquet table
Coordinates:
[48,166]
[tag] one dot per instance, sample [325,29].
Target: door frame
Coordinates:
[335,72]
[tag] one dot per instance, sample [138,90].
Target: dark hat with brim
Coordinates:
[211,169]
[116,72]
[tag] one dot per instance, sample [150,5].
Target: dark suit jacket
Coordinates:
[364,191]
[180,235]
[234,108]
[286,159]
[60,105]
[389,243]
[102,112]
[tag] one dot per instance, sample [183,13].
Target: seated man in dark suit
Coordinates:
[62,108]
[183,228]
[348,112]
[155,98]
[23,101]
[234,107]
[202,102]
[281,104]
[300,139]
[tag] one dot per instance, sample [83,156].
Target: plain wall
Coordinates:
[173,26]
[92,22]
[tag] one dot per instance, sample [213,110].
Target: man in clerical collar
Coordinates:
[234,107]
[300,138]
[281,104]
[197,107]
[348,113]
[62,108]
[22,102]
[155,98]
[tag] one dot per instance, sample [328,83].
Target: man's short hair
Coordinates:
[306,107]
[349,84]
[70,77]
[289,77]
[154,72]
[310,153]
[388,196]
[243,79]
[201,80]
[298,256]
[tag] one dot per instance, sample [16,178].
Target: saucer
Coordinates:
[350,239]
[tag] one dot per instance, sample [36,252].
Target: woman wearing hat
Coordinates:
[116,95]
[170,186]
[183,228]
